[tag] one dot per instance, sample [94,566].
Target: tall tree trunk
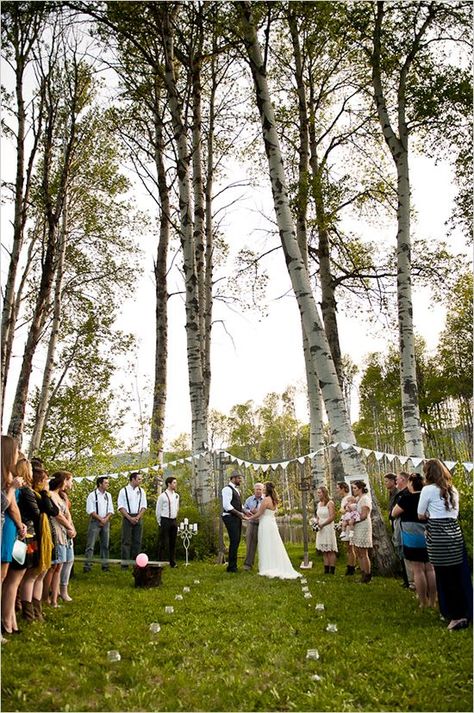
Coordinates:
[398,146]
[319,348]
[161,293]
[193,333]
[316,435]
[24,35]
[45,394]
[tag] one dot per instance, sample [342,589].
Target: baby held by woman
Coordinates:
[350,517]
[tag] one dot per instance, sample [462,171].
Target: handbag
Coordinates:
[19,551]
[413,534]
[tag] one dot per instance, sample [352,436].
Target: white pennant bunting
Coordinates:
[403,460]
[78,479]
[284,464]
[357,449]
[367,452]
[90,477]
[390,457]
[449,464]
[264,466]
[301,459]
[416,461]
[468,466]
[345,446]
[378,455]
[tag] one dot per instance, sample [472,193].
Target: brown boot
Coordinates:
[38,609]
[27,610]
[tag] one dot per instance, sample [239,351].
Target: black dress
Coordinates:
[413,531]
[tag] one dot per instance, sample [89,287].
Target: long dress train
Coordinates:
[273,560]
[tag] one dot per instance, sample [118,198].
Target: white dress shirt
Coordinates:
[227,497]
[136,498]
[167,505]
[100,503]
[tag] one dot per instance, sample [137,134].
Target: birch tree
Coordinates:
[407,76]
[314,330]
[22,24]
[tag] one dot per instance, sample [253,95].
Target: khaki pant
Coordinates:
[251,540]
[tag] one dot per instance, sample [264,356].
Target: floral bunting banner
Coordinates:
[365,452]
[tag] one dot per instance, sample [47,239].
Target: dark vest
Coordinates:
[236,501]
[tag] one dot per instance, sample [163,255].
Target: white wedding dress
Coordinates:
[273,560]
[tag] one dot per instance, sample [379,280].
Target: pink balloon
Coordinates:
[141,560]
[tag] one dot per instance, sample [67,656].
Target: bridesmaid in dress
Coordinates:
[326,536]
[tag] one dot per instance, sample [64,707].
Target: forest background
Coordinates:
[145,243]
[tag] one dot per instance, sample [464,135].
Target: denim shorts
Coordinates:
[59,554]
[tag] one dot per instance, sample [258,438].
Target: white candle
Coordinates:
[181,526]
[186,520]
[195,527]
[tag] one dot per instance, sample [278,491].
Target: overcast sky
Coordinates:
[254,355]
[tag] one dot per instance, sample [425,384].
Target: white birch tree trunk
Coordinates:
[399,148]
[203,489]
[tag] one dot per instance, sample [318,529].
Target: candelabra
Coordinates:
[186,531]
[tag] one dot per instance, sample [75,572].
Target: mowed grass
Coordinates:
[238,642]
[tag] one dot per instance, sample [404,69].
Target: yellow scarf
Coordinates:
[46,542]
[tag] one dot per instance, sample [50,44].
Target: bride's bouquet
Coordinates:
[314,524]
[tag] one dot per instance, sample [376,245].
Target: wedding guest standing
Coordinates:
[131,505]
[68,565]
[362,539]
[100,509]
[439,506]
[167,507]
[62,529]
[326,535]
[414,541]
[251,506]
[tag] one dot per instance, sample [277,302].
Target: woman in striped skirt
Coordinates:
[439,505]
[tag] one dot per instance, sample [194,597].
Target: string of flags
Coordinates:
[273,465]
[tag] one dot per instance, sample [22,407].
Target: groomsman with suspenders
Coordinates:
[131,504]
[100,509]
[167,507]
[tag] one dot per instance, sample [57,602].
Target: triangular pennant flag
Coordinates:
[90,477]
[403,460]
[189,458]
[255,466]
[468,466]
[113,475]
[274,466]
[265,466]
[144,470]
[284,464]
[390,457]
[357,449]
[301,459]
[239,461]
[367,452]
[449,464]
[345,446]
[78,479]
[416,461]
[378,455]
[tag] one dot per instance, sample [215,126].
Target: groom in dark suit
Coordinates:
[232,517]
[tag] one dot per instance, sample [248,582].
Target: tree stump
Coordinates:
[148,576]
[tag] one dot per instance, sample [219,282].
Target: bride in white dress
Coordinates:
[273,560]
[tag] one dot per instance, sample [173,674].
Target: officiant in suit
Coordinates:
[232,517]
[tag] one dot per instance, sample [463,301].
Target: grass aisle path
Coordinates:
[238,643]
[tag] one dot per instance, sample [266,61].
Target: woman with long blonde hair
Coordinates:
[12,525]
[439,506]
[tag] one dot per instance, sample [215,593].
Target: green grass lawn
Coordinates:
[238,642]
